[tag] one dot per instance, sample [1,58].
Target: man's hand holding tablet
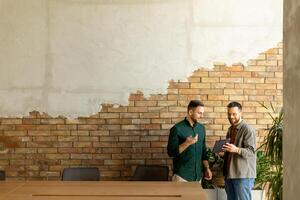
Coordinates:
[219,145]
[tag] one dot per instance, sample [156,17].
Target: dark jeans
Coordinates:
[239,189]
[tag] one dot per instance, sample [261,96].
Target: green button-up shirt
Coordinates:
[187,164]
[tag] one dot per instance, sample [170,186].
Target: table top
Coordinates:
[104,190]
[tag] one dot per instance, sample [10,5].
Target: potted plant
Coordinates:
[213,186]
[216,164]
[272,145]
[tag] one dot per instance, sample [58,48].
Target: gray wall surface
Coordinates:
[66,57]
[291,96]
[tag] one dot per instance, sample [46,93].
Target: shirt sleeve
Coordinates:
[204,152]
[249,143]
[173,143]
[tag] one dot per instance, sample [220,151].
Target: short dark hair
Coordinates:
[235,104]
[194,104]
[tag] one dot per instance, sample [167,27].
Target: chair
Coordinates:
[2,175]
[81,174]
[151,173]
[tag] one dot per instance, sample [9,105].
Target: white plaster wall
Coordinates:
[66,57]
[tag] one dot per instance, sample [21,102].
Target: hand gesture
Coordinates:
[230,148]
[207,174]
[192,140]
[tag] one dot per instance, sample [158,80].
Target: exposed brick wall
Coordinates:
[118,138]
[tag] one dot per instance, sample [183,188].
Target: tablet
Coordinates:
[219,144]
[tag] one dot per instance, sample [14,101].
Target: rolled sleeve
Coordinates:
[173,143]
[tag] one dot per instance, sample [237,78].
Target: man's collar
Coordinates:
[189,123]
[239,124]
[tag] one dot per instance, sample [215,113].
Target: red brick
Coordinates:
[109,115]
[158,144]
[109,127]
[172,91]
[158,97]
[110,174]
[180,85]
[200,73]
[210,80]
[47,150]
[255,69]
[114,162]
[262,74]
[194,79]
[11,121]
[52,121]
[157,109]
[169,115]
[129,115]
[15,133]
[66,127]
[240,74]
[219,74]
[108,138]
[118,121]
[7,127]
[87,127]
[137,109]
[82,156]
[119,109]
[140,121]
[129,138]
[272,51]
[159,132]
[82,144]
[57,156]
[218,97]
[45,138]
[95,121]
[254,92]
[150,126]
[39,133]
[81,120]
[244,86]
[135,97]
[130,127]
[156,162]
[145,103]
[99,133]
[231,80]
[234,68]
[80,133]
[31,121]
[45,127]
[233,91]
[61,133]
[200,85]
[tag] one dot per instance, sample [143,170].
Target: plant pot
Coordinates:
[211,194]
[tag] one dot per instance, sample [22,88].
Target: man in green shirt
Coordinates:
[187,146]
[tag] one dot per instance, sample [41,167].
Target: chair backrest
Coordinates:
[2,175]
[81,174]
[151,173]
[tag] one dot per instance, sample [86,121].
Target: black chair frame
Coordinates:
[151,173]
[81,174]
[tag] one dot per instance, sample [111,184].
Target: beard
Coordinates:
[194,120]
[234,121]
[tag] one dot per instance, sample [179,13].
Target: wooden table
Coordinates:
[104,190]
